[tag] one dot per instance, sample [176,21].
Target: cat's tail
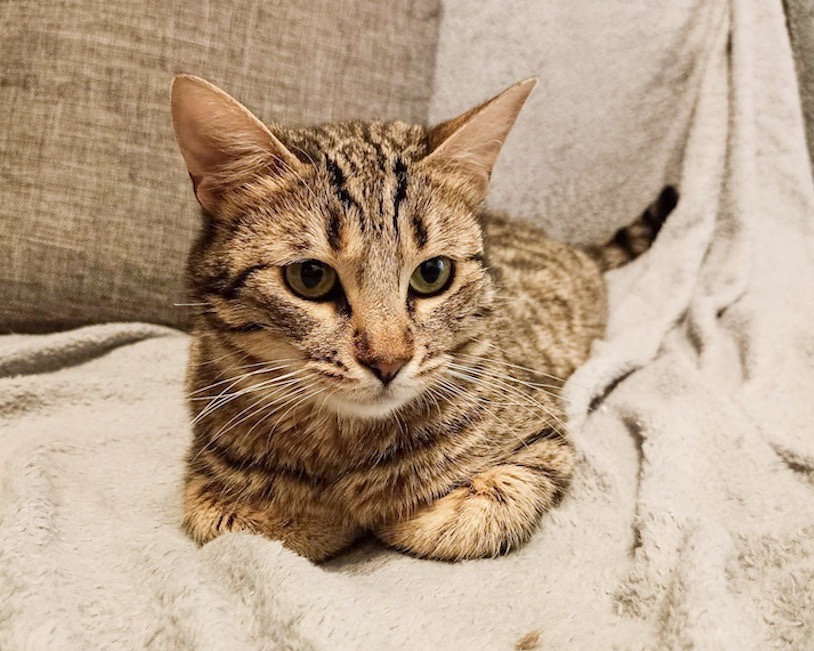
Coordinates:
[633,240]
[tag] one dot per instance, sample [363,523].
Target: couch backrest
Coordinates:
[96,210]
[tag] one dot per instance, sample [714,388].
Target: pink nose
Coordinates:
[384,370]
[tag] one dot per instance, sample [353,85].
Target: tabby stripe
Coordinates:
[400,170]
[422,440]
[294,321]
[419,231]
[343,306]
[338,181]
[458,300]
[411,306]
[334,230]
[331,358]
[281,316]
[221,285]
[545,434]
[250,462]
[217,322]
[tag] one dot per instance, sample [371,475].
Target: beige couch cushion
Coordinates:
[96,211]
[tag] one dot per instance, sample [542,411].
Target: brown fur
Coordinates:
[294,438]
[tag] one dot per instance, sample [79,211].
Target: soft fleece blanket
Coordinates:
[691,519]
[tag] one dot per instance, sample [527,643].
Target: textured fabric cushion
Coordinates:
[96,210]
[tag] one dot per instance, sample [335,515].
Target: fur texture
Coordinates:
[297,436]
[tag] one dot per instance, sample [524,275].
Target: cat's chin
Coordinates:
[374,409]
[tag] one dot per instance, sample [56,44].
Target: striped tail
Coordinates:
[633,240]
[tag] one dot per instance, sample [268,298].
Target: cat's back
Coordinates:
[551,297]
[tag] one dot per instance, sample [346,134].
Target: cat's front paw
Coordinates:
[316,536]
[494,513]
[206,517]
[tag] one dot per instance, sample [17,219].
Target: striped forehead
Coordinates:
[369,179]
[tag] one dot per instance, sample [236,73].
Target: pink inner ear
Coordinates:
[215,132]
[200,156]
[205,121]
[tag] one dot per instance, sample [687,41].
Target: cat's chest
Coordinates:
[372,476]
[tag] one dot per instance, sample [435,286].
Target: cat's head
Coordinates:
[349,254]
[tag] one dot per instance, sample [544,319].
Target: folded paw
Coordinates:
[494,513]
[316,536]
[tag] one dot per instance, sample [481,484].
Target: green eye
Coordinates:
[311,279]
[432,276]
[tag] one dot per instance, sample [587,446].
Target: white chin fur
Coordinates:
[372,409]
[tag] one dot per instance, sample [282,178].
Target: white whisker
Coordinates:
[502,386]
[224,398]
[236,379]
[482,401]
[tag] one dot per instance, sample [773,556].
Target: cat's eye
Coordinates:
[312,279]
[432,276]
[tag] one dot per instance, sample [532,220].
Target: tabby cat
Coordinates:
[373,353]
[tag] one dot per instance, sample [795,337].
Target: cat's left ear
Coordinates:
[469,144]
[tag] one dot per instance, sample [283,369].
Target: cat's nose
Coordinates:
[385,370]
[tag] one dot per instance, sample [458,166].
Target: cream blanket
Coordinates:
[691,520]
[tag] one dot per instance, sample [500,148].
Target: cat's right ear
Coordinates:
[222,142]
